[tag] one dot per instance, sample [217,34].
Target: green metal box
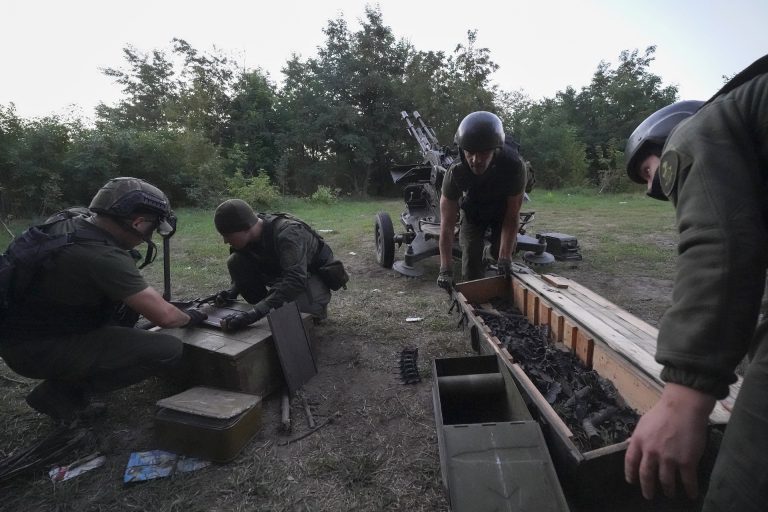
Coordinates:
[245,360]
[492,453]
[208,423]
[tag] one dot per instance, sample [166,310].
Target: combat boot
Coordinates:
[57,400]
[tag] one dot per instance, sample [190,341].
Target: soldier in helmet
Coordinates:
[62,329]
[487,185]
[714,169]
[275,258]
[643,151]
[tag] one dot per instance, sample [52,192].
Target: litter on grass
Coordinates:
[159,464]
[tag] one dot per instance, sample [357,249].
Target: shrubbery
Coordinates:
[258,191]
[325,195]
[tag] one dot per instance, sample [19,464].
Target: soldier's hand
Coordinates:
[240,319]
[504,267]
[445,280]
[224,297]
[196,317]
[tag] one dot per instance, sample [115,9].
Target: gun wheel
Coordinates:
[384,235]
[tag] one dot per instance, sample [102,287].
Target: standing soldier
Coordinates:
[488,185]
[275,259]
[62,330]
[714,168]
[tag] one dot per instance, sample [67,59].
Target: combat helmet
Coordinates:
[124,197]
[653,132]
[480,131]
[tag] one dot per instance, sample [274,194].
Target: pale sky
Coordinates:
[52,50]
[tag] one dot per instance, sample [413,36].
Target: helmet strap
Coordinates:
[656,192]
[127,225]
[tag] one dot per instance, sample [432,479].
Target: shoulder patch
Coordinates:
[668,169]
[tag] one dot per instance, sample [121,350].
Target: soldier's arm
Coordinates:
[510,227]
[152,306]
[449,209]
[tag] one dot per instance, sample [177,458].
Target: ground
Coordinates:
[378,449]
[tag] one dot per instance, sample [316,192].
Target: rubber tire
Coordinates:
[384,237]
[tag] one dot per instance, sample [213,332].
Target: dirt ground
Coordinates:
[377,449]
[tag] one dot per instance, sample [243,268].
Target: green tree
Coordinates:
[151,88]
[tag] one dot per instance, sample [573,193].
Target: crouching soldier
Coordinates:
[62,328]
[275,258]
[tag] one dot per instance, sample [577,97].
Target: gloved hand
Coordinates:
[504,267]
[240,319]
[224,297]
[445,280]
[196,317]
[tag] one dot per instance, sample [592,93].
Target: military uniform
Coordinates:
[282,266]
[715,169]
[62,330]
[483,200]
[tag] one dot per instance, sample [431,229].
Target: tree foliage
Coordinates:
[200,126]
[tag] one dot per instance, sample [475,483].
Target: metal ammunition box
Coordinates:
[245,360]
[208,423]
[492,454]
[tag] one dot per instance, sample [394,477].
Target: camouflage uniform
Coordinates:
[483,201]
[715,169]
[281,267]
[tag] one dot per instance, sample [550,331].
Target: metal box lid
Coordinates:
[210,402]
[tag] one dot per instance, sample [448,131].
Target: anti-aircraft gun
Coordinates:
[422,185]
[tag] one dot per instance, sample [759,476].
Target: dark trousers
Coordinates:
[740,477]
[253,285]
[472,242]
[101,360]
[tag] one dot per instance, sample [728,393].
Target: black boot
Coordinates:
[61,401]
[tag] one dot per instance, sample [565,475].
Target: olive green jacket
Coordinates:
[715,169]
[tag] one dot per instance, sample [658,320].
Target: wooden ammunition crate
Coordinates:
[245,360]
[607,339]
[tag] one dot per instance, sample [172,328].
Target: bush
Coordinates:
[325,195]
[257,191]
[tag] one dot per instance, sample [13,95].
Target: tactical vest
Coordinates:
[35,251]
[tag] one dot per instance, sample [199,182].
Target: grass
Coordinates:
[380,453]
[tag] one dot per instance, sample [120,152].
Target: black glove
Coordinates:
[445,280]
[504,267]
[196,317]
[224,297]
[240,319]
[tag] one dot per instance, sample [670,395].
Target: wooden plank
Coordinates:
[532,311]
[555,280]
[545,312]
[584,348]
[640,393]
[569,334]
[481,290]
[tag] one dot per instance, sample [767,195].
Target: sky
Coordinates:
[52,51]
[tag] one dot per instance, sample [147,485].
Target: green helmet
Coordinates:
[124,197]
[480,131]
[653,132]
[234,215]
